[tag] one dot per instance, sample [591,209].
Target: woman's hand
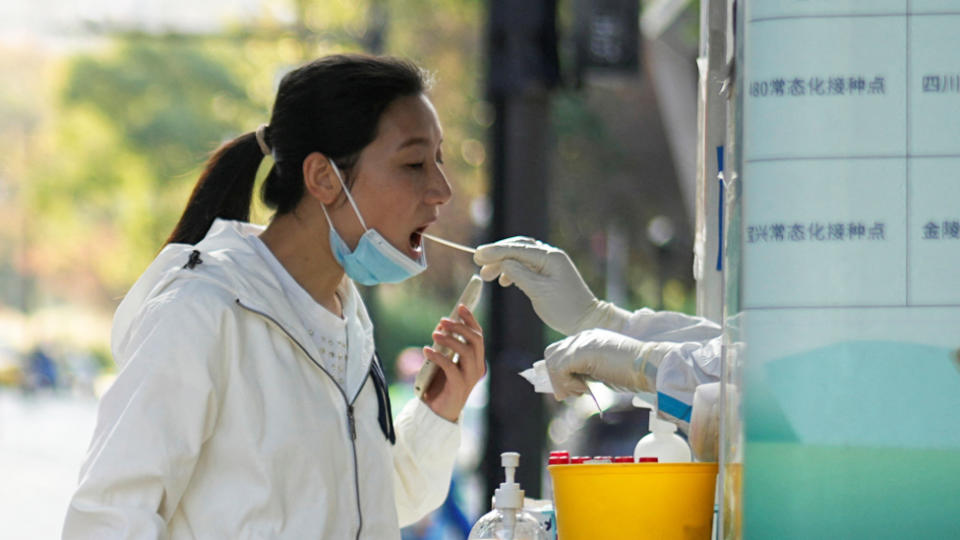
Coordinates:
[451,386]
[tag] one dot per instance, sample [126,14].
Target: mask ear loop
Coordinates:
[356,210]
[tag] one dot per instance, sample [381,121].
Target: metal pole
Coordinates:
[522,60]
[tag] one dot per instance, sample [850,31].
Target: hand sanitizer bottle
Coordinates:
[662,442]
[508,520]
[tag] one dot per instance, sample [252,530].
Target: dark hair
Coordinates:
[331,105]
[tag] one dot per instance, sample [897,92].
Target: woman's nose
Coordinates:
[439,191]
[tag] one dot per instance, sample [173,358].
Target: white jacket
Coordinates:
[221,425]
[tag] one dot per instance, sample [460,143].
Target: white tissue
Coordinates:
[538,377]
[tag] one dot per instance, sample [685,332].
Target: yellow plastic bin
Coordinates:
[633,501]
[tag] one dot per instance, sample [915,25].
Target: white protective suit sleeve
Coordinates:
[678,351]
[671,370]
[161,408]
[423,459]
[687,355]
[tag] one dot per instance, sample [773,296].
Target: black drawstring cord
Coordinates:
[384,412]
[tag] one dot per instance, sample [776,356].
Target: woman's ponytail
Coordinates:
[224,190]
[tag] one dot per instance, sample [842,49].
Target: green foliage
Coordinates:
[135,121]
[103,359]
[160,98]
[134,125]
[403,319]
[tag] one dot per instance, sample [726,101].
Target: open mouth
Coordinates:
[416,239]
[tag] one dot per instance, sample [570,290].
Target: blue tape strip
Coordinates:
[720,210]
[674,407]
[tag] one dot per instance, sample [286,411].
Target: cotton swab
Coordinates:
[448,243]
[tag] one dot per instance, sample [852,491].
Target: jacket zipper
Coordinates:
[351,420]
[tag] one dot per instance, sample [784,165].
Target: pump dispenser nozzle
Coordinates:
[508,520]
[509,494]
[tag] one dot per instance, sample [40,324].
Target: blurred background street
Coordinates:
[43,438]
[569,120]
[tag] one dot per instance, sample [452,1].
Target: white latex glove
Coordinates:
[600,355]
[548,277]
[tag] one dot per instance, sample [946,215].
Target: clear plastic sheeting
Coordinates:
[711,126]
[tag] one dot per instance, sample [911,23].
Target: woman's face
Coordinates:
[399,182]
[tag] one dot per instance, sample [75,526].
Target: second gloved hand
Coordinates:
[550,280]
[597,354]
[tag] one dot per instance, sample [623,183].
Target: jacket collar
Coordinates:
[228,260]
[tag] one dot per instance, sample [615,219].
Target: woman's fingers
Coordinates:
[457,341]
[467,316]
[466,332]
[441,379]
[465,339]
[442,361]
[475,364]
[449,392]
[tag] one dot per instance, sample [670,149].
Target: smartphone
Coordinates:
[470,297]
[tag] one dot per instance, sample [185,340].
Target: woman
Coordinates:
[250,402]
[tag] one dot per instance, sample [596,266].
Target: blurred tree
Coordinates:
[132,123]
[166,101]
[615,174]
[22,116]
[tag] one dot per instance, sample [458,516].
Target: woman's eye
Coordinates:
[415,165]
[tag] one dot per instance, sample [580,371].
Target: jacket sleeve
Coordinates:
[649,325]
[682,368]
[686,354]
[151,424]
[423,460]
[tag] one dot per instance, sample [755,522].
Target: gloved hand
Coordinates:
[601,355]
[548,277]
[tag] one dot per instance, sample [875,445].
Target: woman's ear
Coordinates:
[319,180]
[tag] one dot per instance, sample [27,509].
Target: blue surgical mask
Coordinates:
[375,260]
